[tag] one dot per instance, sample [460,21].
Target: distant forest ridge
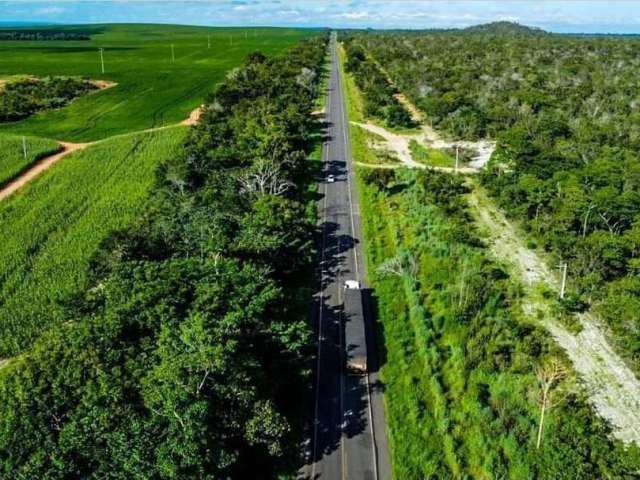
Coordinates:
[43,34]
[497,28]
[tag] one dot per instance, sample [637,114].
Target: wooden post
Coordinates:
[563,283]
[102,58]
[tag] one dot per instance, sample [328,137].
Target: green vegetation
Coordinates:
[23,98]
[186,354]
[567,163]
[152,90]
[12,159]
[430,156]
[52,228]
[462,365]
[378,95]
[361,139]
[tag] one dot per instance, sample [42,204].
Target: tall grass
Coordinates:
[51,229]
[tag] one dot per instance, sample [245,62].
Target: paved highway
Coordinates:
[348,439]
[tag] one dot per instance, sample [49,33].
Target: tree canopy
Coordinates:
[188,355]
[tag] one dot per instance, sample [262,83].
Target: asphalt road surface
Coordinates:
[347,436]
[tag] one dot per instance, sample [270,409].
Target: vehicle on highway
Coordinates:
[355,339]
[331,179]
[352,285]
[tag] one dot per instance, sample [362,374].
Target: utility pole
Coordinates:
[24,147]
[102,58]
[457,157]
[173,54]
[563,283]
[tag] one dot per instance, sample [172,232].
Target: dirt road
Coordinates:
[69,147]
[613,389]
[193,117]
[40,167]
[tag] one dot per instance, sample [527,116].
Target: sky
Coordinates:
[572,16]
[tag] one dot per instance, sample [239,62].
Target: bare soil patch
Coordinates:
[399,144]
[103,84]
[193,117]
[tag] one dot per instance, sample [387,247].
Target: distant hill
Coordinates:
[504,28]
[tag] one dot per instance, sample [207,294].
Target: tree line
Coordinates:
[40,35]
[564,111]
[188,355]
[23,98]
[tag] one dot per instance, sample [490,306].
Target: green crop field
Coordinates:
[51,229]
[12,153]
[152,89]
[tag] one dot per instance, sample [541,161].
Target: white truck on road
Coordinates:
[356,340]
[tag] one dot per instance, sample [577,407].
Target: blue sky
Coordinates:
[615,16]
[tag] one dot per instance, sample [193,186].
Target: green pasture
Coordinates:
[152,88]
[52,227]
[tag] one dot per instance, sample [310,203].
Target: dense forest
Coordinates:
[23,98]
[188,356]
[43,35]
[565,111]
[464,367]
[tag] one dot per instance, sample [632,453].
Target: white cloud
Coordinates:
[50,11]
[354,15]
